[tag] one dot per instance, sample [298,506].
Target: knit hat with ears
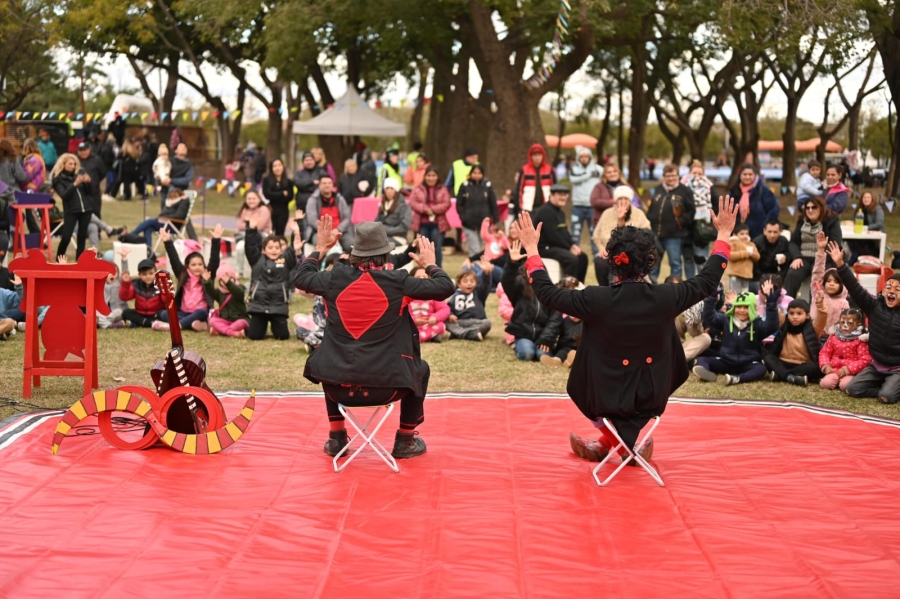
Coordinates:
[748,300]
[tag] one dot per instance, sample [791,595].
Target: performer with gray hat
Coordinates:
[370,352]
[556,240]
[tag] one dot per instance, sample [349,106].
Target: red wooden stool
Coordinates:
[25,241]
[73,294]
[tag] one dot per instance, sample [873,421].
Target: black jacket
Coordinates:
[269,279]
[530,318]
[305,181]
[832,229]
[813,345]
[555,232]
[370,338]
[740,347]
[94,167]
[177,212]
[75,199]
[471,305]
[349,185]
[662,212]
[767,252]
[630,358]
[476,202]
[569,334]
[884,322]
[273,190]
[396,223]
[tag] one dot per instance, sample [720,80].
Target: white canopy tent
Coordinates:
[127,103]
[350,115]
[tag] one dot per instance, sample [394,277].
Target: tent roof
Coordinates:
[350,115]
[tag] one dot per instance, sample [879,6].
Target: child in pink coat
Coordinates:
[846,352]
[835,293]
[429,315]
[496,243]
[506,311]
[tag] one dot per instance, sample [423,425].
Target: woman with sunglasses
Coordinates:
[814,218]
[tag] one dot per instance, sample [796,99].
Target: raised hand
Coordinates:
[124,251]
[126,276]
[726,217]
[205,275]
[327,234]
[528,234]
[252,222]
[486,266]
[515,251]
[836,253]
[821,241]
[62,259]
[426,255]
[217,232]
[819,299]
[730,296]
[164,235]
[766,288]
[299,214]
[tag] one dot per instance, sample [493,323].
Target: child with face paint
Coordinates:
[846,353]
[881,378]
[795,354]
[835,292]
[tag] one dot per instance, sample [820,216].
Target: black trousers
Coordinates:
[601,268]
[259,324]
[279,218]
[629,427]
[795,277]
[141,320]
[572,265]
[82,219]
[412,408]
[782,369]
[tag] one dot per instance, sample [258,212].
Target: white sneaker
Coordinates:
[159,325]
[20,326]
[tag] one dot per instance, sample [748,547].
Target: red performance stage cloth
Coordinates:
[760,501]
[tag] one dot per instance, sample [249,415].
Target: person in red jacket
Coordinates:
[846,352]
[533,182]
[430,202]
[148,304]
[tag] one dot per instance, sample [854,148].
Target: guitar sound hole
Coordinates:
[178,416]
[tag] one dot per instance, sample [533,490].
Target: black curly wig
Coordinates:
[638,245]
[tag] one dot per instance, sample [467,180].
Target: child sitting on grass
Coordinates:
[191,300]
[740,356]
[835,292]
[429,315]
[9,308]
[743,255]
[231,319]
[117,307]
[148,308]
[271,264]
[311,327]
[794,357]
[534,327]
[467,319]
[569,333]
[846,353]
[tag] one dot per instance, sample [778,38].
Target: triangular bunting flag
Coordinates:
[294,108]
[204,115]
[248,185]
[194,115]
[144,116]
[211,183]
[220,187]
[43,116]
[163,116]
[225,115]
[149,189]
[236,113]
[18,115]
[792,210]
[25,114]
[890,205]
[185,116]
[243,191]
[52,114]
[793,188]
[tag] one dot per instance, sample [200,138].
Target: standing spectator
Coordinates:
[182,168]
[475,202]
[33,165]
[322,162]
[145,165]
[109,153]
[651,168]
[533,182]
[774,250]
[325,201]
[703,232]
[838,194]
[128,171]
[369,171]
[809,183]
[415,172]
[602,194]
[117,128]
[307,178]
[411,161]
[176,138]
[743,257]
[622,214]
[354,183]
[815,217]
[73,185]
[279,191]
[11,170]
[460,170]
[671,214]
[259,165]
[95,169]
[394,213]
[48,150]
[556,241]
[162,170]
[757,204]
[585,175]
[430,202]
[390,169]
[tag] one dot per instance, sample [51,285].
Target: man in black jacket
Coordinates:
[671,214]
[556,240]
[94,168]
[370,352]
[774,249]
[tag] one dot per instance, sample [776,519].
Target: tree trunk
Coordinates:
[445,139]
[853,127]
[640,111]
[415,123]
[171,91]
[338,149]
[620,142]
[276,123]
[886,32]
[604,127]
[789,137]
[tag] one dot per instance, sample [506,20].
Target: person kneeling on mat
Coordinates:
[370,350]
[629,358]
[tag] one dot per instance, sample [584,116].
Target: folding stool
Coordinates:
[368,437]
[634,455]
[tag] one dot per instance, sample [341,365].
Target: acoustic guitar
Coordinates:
[180,368]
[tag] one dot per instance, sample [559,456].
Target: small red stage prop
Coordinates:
[65,289]
[39,202]
[183,412]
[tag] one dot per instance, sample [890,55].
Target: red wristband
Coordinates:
[722,248]
[533,263]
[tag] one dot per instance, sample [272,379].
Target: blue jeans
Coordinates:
[148,227]
[691,267]
[672,247]
[432,232]
[186,319]
[527,351]
[582,215]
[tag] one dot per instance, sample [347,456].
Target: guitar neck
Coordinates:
[174,325]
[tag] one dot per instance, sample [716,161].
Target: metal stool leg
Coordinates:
[368,437]
[632,455]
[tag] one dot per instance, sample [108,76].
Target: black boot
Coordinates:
[407,445]
[336,442]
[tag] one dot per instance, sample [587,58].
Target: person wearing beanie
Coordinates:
[794,357]
[389,170]
[623,214]
[459,171]
[584,175]
[741,355]
[393,212]
[306,180]
[533,181]
[231,318]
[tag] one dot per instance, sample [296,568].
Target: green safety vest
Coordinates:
[461,172]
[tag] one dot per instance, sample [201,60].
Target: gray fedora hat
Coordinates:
[371,240]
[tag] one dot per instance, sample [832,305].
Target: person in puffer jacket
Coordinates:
[535,327]
[148,303]
[430,316]
[740,357]
[846,353]
[270,274]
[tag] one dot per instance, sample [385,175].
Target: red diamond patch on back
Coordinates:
[361,305]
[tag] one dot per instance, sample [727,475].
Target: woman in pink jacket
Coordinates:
[430,202]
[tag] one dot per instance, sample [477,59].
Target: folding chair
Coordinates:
[176,226]
[367,435]
[633,455]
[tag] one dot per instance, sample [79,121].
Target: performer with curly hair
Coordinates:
[629,360]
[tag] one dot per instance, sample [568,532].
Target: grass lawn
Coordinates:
[127,355]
